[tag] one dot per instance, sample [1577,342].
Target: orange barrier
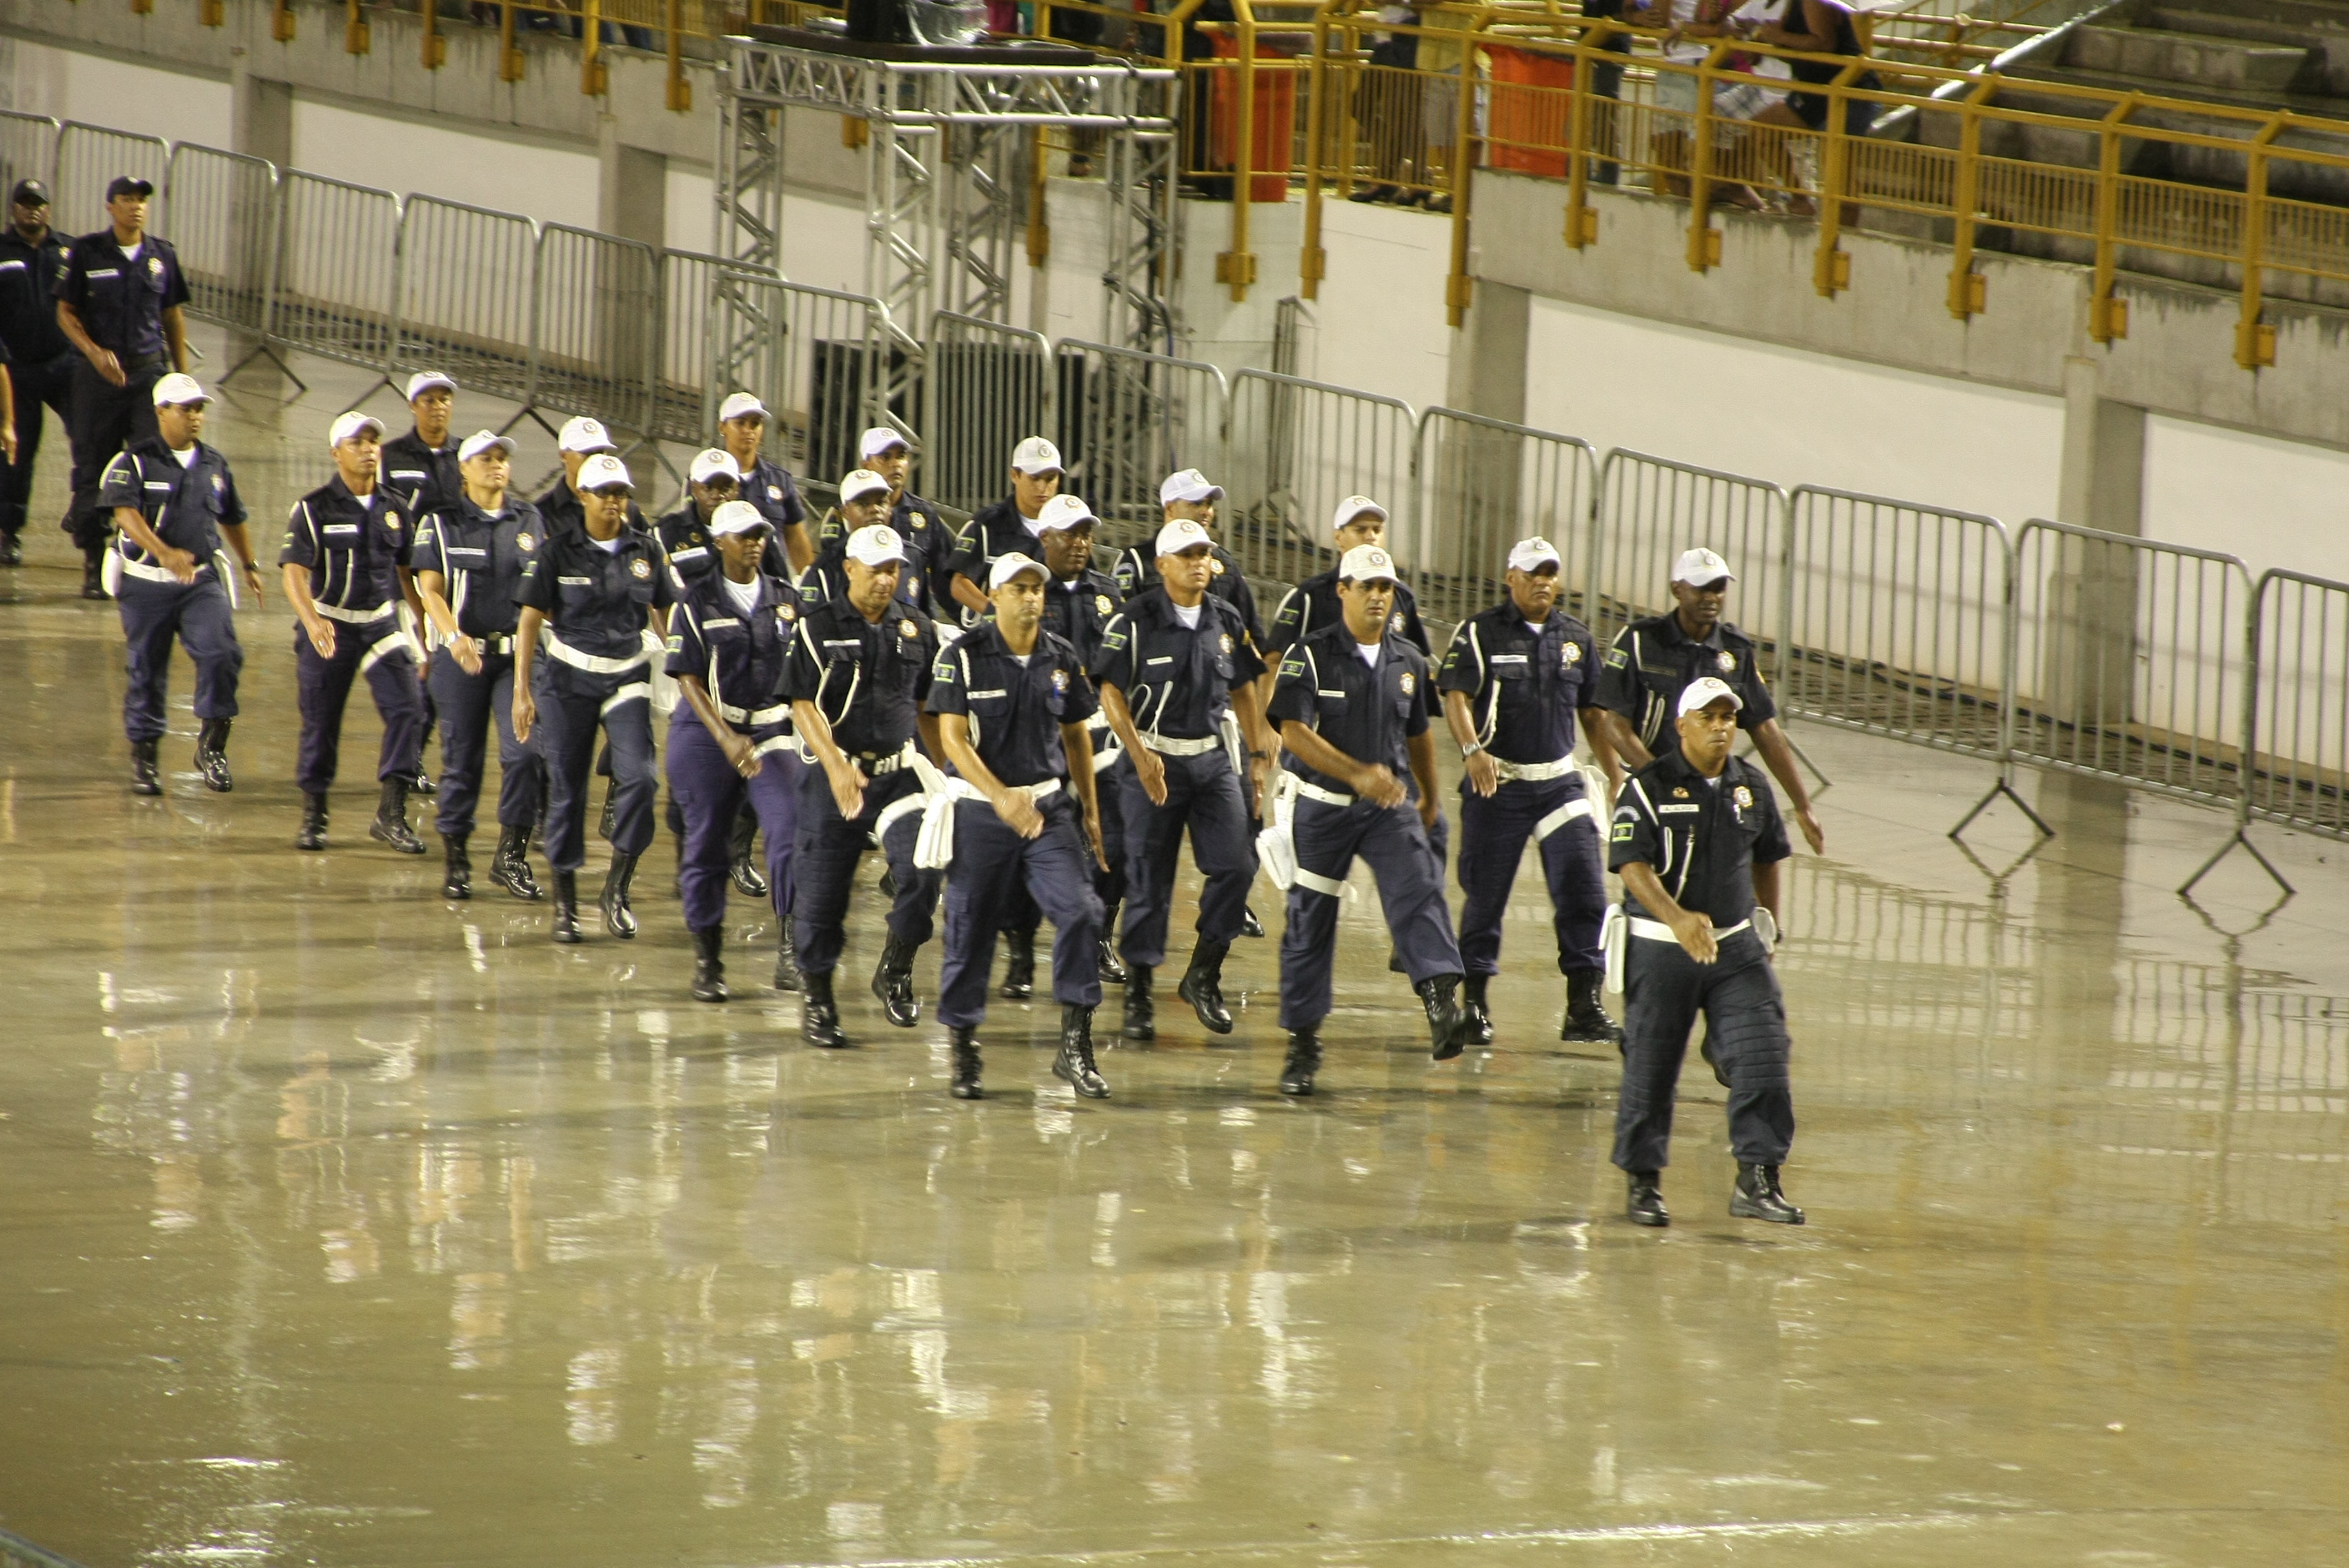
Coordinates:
[1272,130]
[1525,118]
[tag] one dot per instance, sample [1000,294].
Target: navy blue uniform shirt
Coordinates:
[1177,681]
[1522,688]
[1078,610]
[1137,573]
[770,487]
[1368,713]
[1015,710]
[738,654]
[562,511]
[1653,661]
[186,504]
[1313,604]
[927,541]
[595,598]
[121,299]
[1701,838]
[992,531]
[868,679]
[480,559]
[425,477]
[29,275]
[353,548]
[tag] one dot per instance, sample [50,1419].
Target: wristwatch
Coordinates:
[1471,749]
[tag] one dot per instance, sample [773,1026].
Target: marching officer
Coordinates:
[767,485]
[1177,669]
[1513,680]
[174,504]
[1313,603]
[857,677]
[1699,842]
[1191,497]
[39,357]
[732,738]
[563,505]
[1012,700]
[468,559]
[119,300]
[345,544]
[864,503]
[1352,702]
[594,591]
[421,466]
[1008,527]
[883,449]
[1655,660]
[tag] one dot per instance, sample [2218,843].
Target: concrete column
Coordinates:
[2088,664]
[261,112]
[2102,482]
[1486,372]
[1475,504]
[631,188]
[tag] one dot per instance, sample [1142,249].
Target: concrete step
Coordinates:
[2188,60]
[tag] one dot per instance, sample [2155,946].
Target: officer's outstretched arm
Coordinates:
[1600,735]
[1421,748]
[1078,741]
[1018,811]
[1621,741]
[1778,756]
[306,609]
[1766,884]
[846,779]
[969,596]
[1372,781]
[1693,929]
[178,561]
[525,710]
[241,545]
[1148,770]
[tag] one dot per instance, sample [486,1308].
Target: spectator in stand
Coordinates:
[1813,27]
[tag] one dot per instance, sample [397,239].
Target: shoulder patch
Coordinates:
[1292,667]
[1618,659]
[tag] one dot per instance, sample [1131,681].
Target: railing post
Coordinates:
[355,29]
[593,79]
[1581,221]
[1312,263]
[281,22]
[1704,239]
[509,59]
[1237,266]
[1831,274]
[680,91]
[2255,342]
[2107,316]
[433,48]
[1967,289]
[1459,288]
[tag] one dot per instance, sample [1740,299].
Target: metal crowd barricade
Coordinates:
[1296,449]
[987,387]
[29,148]
[684,406]
[335,277]
[595,328]
[1896,625]
[820,359]
[15,1552]
[1128,419]
[1484,484]
[220,212]
[88,157]
[468,277]
[1652,509]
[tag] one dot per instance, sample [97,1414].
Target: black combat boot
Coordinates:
[422,786]
[212,755]
[390,824]
[1586,1019]
[749,881]
[1075,1062]
[619,919]
[1019,965]
[566,907]
[93,572]
[1304,1061]
[1645,1203]
[710,964]
[787,957]
[1113,968]
[12,550]
[511,870]
[1203,987]
[313,835]
[966,1063]
[1447,1031]
[1141,1008]
[893,982]
[1250,924]
[457,882]
[604,823]
[1757,1197]
[1475,1017]
[819,1016]
[143,779]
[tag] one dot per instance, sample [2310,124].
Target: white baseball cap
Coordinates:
[1063,512]
[879,439]
[177,391]
[1367,564]
[710,463]
[1037,456]
[1015,564]
[861,482]
[1180,535]
[1352,507]
[737,516]
[481,441]
[1188,485]
[585,435]
[876,544]
[1527,553]
[346,426]
[739,404]
[603,472]
[1700,566]
[423,381]
[1704,693]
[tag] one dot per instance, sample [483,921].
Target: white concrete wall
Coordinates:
[2274,503]
[552,184]
[37,79]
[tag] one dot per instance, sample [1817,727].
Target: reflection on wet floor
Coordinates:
[339,1224]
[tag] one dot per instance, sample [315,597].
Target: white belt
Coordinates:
[570,655]
[1657,931]
[1166,745]
[156,573]
[1560,818]
[1327,797]
[775,715]
[964,790]
[1534,772]
[351,617]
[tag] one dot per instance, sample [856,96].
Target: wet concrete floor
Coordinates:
[341,1224]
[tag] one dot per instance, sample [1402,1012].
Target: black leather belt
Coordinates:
[140,362]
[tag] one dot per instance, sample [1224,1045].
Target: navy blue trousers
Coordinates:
[1020,913]
[572,704]
[1056,868]
[1204,795]
[35,382]
[1410,874]
[1493,835]
[378,651]
[199,614]
[468,706]
[1664,991]
[706,788]
[828,850]
[102,419]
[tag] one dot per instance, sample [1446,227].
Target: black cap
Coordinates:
[29,193]
[128,185]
